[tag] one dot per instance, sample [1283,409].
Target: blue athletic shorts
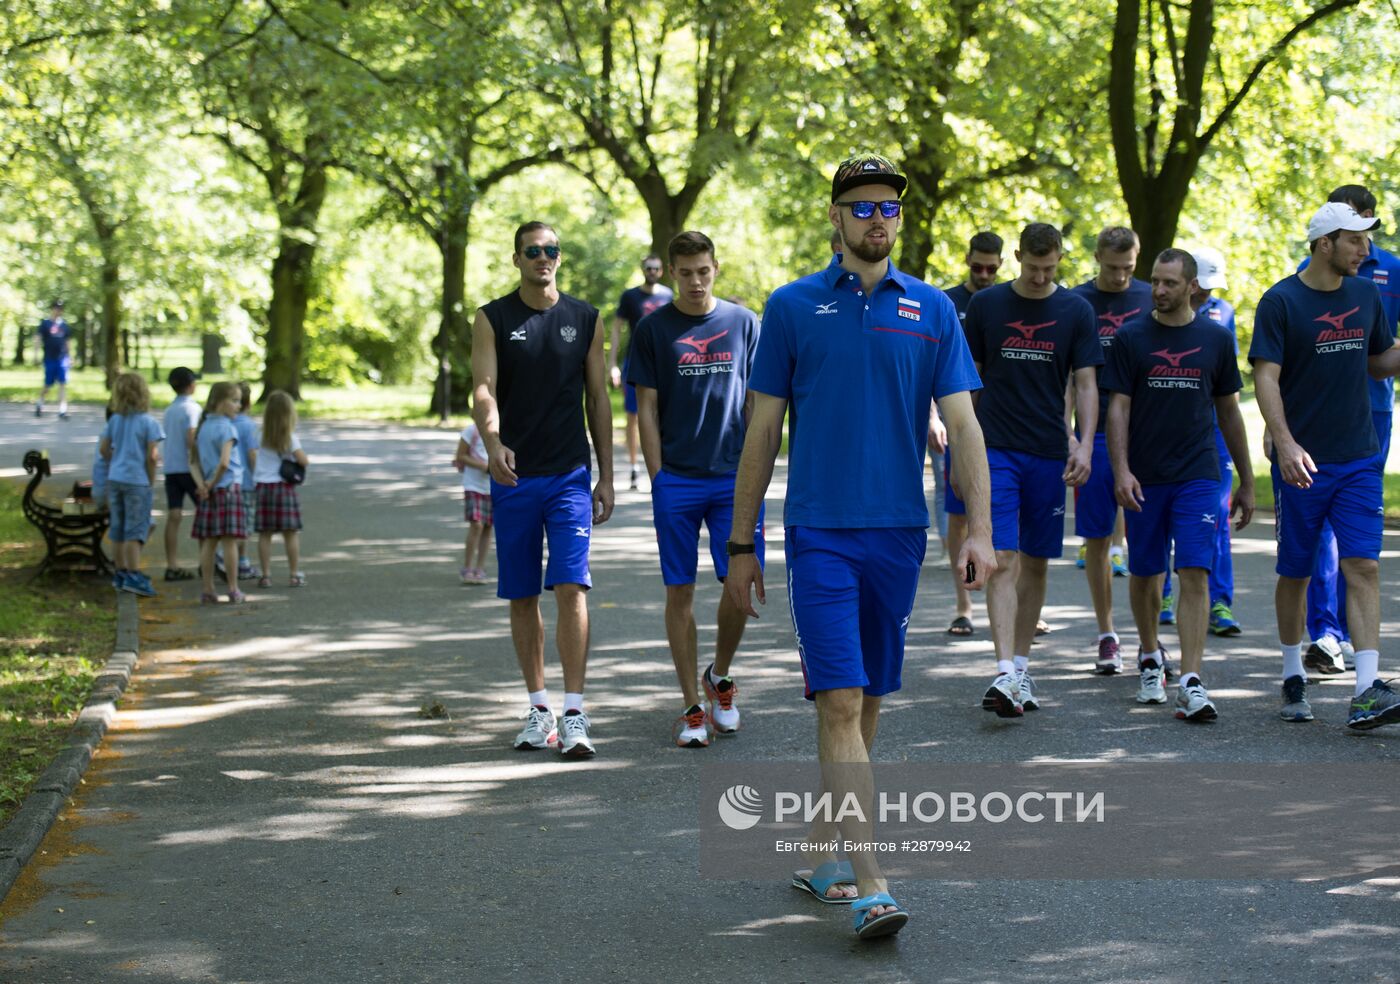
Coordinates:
[952,504]
[851,593]
[557,506]
[679,504]
[1028,502]
[1180,517]
[629,398]
[55,371]
[129,507]
[1095,508]
[1346,494]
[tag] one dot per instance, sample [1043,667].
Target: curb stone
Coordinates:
[20,838]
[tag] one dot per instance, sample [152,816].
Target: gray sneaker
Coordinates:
[1295,700]
[1377,705]
[1004,696]
[1026,686]
[1152,690]
[540,730]
[573,735]
[1194,704]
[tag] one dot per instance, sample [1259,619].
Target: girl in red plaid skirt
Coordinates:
[220,520]
[279,509]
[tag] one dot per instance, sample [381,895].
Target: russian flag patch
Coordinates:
[1381,277]
[908,309]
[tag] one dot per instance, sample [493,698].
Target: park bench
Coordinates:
[73,541]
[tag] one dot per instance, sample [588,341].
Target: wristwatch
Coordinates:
[738,548]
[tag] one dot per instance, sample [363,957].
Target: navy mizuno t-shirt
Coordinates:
[55,335]
[540,358]
[859,373]
[959,295]
[635,304]
[1173,375]
[1111,312]
[699,367]
[1027,350]
[1322,340]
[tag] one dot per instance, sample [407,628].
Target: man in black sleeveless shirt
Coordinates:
[535,354]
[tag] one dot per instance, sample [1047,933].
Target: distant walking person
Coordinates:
[690,362]
[53,335]
[1318,335]
[537,356]
[181,426]
[634,305]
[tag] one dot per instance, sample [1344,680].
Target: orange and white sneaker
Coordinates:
[692,730]
[723,714]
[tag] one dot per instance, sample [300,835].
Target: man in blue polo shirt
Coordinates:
[690,362]
[983,261]
[1317,336]
[859,351]
[634,305]
[1116,297]
[1172,374]
[53,336]
[1327,594]
[1027,338]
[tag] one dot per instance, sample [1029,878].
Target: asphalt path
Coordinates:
[272,805]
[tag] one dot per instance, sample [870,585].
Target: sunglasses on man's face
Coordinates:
[864,210]
[533,252]
[651,269]
[984,267]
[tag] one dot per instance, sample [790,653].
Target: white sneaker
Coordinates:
[723,713]
[692,730]
[1325,656]
[1025,688]
[540,730]
[1194,704]
[1004,696]
[1152,690]
[573,736]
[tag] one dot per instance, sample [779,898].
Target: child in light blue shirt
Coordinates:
[129,444]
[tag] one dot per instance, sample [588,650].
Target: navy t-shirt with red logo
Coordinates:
[1111,312]
[1322,341]
[699,367]
[1172,374]
[1027,350]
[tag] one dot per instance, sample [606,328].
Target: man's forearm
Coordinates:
[600,428]
[751,484]
[1086,404]
[970,469]
[1237,441]
[1270,399]
[1118,438]
[488,421]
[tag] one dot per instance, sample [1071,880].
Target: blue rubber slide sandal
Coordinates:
[875,926]
[823,878]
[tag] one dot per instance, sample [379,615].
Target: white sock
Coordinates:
[1187,679]
[539,698]
[1368,668]
[1108,635]
[1293,662]
[1153,658]
[1005,666]
[715,678]
[1021,663]
[62,406]
[572,702]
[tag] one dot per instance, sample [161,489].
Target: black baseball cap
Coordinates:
[865,169]
[182,376]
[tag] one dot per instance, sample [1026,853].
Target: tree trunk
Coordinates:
[292,271]
[922,199]
[21,343]
[111,310]
[452,346]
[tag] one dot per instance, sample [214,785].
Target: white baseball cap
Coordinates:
[1338,217]
[1210,268]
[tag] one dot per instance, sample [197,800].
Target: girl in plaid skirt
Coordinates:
[220,521]
[279,509]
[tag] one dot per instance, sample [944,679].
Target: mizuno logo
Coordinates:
[580,531]
[1208,518]
[1028,331]
[701,345]
[517,335]
[827,308]
[1116,320]
[1336,320]
[1175,357]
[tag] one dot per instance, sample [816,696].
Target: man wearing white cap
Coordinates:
[1327,594]
[1317,336]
